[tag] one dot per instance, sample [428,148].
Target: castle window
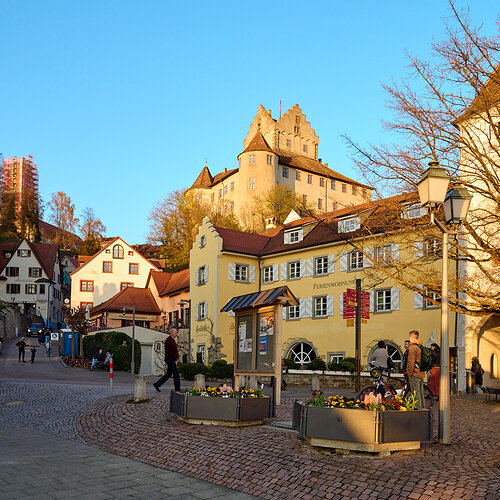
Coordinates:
[225,189]
[309,179]
[304,198]
[269,159]
[232,207]
[297,175]
[212,196]
[284,172]
[333,185]
[304,148]
[220,193]
[344,188]
[251,159]
[297,120]
[296,129]
[232,186]
[320,203]
[364,192]
[322,181]
[251,183]
[288,143]
[334,206]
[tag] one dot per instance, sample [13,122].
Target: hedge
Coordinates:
[316,364]
[118,343]
[189,370]
[221,369]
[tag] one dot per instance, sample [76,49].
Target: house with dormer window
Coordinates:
[116,266]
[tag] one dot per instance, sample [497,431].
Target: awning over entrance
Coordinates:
[281,294]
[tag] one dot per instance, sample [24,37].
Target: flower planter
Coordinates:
[219,410]
[362,430]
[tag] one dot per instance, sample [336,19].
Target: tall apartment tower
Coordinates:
[19,176]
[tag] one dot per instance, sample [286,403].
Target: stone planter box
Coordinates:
[362,430]
[220,411]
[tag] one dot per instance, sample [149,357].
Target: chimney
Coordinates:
[320,160]
[225,169]
[271,222]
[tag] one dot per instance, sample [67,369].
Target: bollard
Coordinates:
[315,382]
[199,380]
[139,388]
[111,373]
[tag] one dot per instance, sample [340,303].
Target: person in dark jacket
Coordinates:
[171,356]
[415,375]
[22,346]
[405,357]
[98,359]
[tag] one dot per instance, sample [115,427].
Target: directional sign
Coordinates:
[350,322]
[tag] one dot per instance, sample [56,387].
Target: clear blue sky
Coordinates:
[121,102]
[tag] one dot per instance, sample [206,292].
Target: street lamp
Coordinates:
[433,191]
[132,361]
[182,303]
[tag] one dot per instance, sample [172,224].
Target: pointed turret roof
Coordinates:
[258,143]
[204,179]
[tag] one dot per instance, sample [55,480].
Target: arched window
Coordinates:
[494,366]
[302,353]
[117,252]
[394,354]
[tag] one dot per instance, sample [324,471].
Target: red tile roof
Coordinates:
[258,143]
[204,179]
[234,241]
[178,283]
[141,298]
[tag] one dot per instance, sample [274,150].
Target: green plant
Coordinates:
[318,399]
[221,369]
[119,344]
[189,370]
[316,364]
[290,364]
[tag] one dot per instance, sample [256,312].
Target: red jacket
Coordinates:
[171,351]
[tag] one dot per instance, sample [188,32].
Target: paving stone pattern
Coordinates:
[272,463]
[45,467]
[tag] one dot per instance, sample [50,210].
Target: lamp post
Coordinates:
[433,192]
[132,361]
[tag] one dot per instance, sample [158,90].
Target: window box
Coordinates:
[362,430]
[218,410]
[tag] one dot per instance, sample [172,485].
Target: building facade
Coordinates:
[116,266]
[278,152]
[315,259]
[31,277]
[19,176]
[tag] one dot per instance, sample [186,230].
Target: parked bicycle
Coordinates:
[390,388]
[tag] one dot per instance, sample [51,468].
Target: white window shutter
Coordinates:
[419,249]
[308,307]
[372,300]
[310,267]
[369,257]
[343,261]
[341,226]
[329,305]
[301,235]
[284,267]
[303,267]
[196,277]
[331,263]
[357,225]
[284,312]
[418,300]
[302,307]
[276,271]
[286,238]
[196,312]
[251,274]
[341,303]
[395,252]
[395,299]
[206,309]
[230,313]
[232,271]
[205,273]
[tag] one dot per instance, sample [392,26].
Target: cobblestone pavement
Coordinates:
[272,463]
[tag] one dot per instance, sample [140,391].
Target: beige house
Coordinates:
[283,152]
[116,266]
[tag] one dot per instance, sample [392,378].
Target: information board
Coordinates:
[244,342]
[265,341]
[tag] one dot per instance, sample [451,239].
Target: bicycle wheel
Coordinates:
[428,396]
[365,391]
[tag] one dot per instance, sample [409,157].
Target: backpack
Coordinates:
[426,359]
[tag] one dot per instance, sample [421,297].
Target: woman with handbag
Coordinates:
[433,381]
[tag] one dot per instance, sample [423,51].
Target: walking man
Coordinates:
[171,356]
[415,376]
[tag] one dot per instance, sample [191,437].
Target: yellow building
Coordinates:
[315,258]
[281,152]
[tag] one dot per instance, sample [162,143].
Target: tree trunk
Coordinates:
[72,344]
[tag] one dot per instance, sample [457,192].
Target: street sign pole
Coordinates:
[358,335]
